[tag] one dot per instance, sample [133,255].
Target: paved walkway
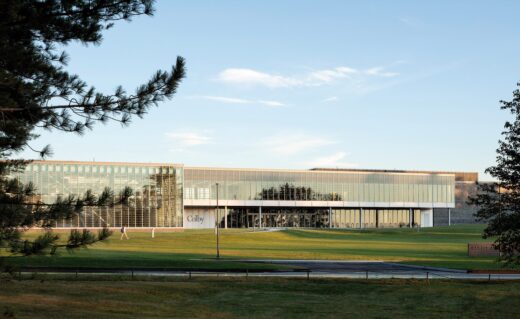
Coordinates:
[310,269]
[379,270]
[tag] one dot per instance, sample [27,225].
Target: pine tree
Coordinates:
[36,91]
[499,202]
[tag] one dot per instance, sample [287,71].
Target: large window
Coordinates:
[360,187]
[157,199]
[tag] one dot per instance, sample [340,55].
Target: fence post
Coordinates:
[489,277]
[76,274]
[366,275]
[428,277]
[189,272]
[308,274]
[132,274]
[247,273]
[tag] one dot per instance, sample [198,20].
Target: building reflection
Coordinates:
[156,199]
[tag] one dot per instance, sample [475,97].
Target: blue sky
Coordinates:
[299,84]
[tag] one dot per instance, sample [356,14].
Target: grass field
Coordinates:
[441,247]
[259,298]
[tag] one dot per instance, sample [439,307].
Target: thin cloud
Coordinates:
[233,100]
[250,77]
[253,77]
[327,76]
[379,71]
[271,103]
[434,71]
[293,143]
[331,161]
[410,22]
[224,99]
[188,139]
[331,99]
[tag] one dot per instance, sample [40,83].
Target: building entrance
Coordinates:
[254,217]
[275,217]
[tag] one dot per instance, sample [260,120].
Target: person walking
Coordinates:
[123,232]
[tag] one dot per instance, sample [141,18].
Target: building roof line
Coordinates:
[141,164]
[461,176]
[317,171]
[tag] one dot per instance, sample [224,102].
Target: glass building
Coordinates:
[156,200]
[172,195]
[314,198]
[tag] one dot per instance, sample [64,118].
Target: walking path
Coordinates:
[380,270]
[306,269]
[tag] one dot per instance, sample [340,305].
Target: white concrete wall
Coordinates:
[199,218]
[426,217]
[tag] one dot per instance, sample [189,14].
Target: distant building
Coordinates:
[173,195]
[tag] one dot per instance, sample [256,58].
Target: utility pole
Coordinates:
[218,226]
[499,219]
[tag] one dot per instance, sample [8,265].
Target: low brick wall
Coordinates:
[482,250]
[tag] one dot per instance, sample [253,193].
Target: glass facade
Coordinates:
[157,191]
[275,217]
[168,195]
[243,184]
[374,218]
[251,217]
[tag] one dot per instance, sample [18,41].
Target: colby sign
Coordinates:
[195,219]
[198,218]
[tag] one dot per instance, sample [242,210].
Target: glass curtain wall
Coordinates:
[157,192]
[374,218]
[238,184]
[250,217]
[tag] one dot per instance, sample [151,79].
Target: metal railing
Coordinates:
[135,273]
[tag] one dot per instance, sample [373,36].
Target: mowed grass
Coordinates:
[439,247]
[260,298]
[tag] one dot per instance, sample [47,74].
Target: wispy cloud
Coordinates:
[187,139]
[410,22]
[271,103]
[380,71]
[331,161]
[412,78]
[233,100]
[224,99]
[253,77]
[250,77]
[327,76]
[331,99]
[293,143]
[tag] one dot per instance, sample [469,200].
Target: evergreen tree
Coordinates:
[499,202]
[36,91]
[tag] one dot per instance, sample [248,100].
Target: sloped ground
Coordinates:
[259,298]
[437,247]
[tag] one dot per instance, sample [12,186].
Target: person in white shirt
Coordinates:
[123,233]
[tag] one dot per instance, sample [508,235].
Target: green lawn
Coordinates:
[441,246]
[259,298]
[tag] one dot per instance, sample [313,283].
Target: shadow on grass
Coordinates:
[388,235]
[129,260]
